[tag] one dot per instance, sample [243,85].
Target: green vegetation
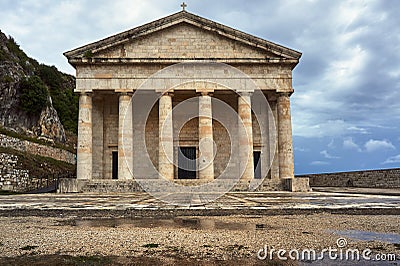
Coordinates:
[42,81]
[92,260]
[151,245]
[7,192]
[64,99]
[88,54]
[3,55]
[6,79]
[35,140]
[39,165]
[34,95]
[27,63]
[235,247]
[28,247]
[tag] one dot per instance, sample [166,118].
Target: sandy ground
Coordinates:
[224,238]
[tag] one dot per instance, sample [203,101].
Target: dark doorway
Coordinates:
[187,163]
[257,164]
[114,165]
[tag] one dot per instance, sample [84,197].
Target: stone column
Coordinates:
[206,140]
[125,137]
[285,147]
[246,161]
[84,149]
[273,125]
[166,139]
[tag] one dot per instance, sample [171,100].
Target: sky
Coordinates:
[345,109]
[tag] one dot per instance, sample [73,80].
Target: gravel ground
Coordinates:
[184,239]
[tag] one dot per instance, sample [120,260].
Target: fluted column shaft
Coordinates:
[85,137]
[245,136]
[206,140]
[274,139]
[166,141]
[285,146]
[125,137]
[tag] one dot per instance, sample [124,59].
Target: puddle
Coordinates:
[370,236]
[190,223]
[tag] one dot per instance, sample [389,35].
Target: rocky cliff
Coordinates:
[35,99]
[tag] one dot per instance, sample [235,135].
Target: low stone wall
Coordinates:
[387,178]
[37,149]
[12,178]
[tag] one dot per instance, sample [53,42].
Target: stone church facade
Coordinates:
[110,71]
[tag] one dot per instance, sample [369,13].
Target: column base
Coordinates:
[297,184]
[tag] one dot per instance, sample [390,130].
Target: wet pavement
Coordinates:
[193,223]
[335,200]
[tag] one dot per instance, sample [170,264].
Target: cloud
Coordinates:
[301,149]
[392,159]
[329,128]
[319,163]
[331,144]
[349,144]
[327,155]
[374,145]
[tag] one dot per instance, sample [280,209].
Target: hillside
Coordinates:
[36,100]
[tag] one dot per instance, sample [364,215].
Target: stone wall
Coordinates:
[386,178]
[13,178]
[10,176]
[37,149]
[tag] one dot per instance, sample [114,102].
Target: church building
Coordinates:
[183,131]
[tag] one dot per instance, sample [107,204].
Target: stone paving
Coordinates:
[230,201]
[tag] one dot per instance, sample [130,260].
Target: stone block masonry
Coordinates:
[385,178]
[37,149]
[10,176]
[217,62]
[13,177]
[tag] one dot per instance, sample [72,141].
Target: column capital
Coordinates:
[205,93]
[123,90]
[284,94]
[245,93]
[86,93]
[125,93]
[167,93]
[203,88]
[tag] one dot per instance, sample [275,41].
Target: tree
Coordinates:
[34,95]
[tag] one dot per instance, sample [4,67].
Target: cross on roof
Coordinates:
[184,5]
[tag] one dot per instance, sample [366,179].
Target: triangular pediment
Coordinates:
[184,36]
